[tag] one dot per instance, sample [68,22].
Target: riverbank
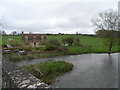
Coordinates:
[18,57]
[88,44]
[102,67]
[49,71]
[71,51]
[36,55]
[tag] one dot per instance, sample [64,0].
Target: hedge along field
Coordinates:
[95,44]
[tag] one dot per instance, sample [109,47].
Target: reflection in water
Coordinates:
[110,58]
[90,71]
[109,71]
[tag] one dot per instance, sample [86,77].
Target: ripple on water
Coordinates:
[90,71]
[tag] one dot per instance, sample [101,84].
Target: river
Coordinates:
[89,71]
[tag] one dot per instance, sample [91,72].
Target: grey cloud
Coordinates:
[49,17]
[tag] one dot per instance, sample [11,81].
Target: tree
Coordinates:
[3,33]
[108,22]
[50,46]
[22,33]
[54,42]
[69,40]
[76,42]
[14,33]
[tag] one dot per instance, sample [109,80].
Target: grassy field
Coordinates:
[48,71]
[84,40]
[5,39]
[96,44]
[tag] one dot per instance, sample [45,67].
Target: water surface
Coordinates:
[89,71]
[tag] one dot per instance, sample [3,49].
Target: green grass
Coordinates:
[96,44]
[84,40]
[48,71]
[17,57]
[78,50]
[5,39]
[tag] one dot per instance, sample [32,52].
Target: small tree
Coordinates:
[22,32]
[14,33]
[107,20]
[76,42]
[69,40]
[54,42]
[3,33]
[50,46]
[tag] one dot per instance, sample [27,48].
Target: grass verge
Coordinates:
[18,57]
[49,71]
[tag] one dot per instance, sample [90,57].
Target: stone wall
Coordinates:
[14,77]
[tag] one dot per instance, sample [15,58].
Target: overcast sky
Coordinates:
[51,16]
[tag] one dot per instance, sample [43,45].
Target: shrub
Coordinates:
[76,42]
[50,47]
[54,42]
[62,49]
[69,40]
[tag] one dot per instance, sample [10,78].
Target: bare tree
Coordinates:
[107,20]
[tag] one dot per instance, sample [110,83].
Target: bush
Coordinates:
[62,49]
[76,42]
[54,42]
[69,40]
[50,47]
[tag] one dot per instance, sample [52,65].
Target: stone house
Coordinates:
[35,40]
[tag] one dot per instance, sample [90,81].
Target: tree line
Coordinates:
[3,33]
